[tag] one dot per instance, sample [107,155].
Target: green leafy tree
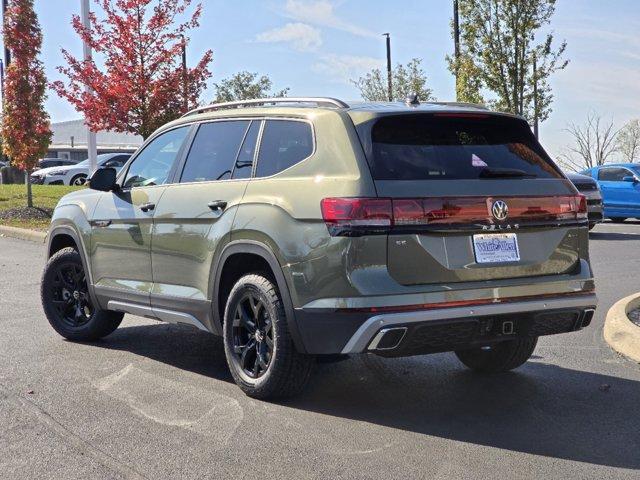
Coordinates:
[405,79]
[499,45]
[26,128]
[468,79]
[246,86]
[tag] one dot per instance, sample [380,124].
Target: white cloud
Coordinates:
[603,85]
[301,36]
[321,13]
[342,68]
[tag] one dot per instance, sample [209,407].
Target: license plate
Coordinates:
[496,247]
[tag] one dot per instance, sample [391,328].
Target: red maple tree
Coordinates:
[143,84]
[26,130]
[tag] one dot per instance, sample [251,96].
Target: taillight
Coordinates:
[357,216]
[362,216]
[582,206]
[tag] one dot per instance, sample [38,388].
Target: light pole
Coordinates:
[91,136]
[185,75]
[535,95]
[2,81]
[389,81]
[7,53]
[456,41]
[7,59]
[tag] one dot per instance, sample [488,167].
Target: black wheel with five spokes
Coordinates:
[64,291]
[261,355]
[252,335]
[70,295]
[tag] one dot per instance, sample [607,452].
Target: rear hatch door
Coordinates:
[475,198]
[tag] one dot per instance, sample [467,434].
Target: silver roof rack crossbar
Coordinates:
[317,101]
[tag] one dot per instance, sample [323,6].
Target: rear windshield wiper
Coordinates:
[504,173]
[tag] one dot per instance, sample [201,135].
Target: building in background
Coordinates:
[69,141]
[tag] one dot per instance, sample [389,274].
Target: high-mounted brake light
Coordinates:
[364,216]
[461,115]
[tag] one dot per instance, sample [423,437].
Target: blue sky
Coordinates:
[314,47]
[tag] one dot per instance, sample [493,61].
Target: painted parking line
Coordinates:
[174,403]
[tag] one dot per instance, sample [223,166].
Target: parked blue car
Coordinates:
[620,187]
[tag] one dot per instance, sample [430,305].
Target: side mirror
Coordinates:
[104,180]
[630,178]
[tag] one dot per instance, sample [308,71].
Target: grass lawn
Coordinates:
[44,196]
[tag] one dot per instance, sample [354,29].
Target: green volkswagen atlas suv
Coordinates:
[304,227]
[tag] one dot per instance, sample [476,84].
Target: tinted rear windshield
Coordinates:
[445,147]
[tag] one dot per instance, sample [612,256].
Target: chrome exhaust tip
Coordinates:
[388,338]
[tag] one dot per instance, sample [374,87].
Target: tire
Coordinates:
[618,219]
[78,180]
[260,352]
[66,302]
[500,357]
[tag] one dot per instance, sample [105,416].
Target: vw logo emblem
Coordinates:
[500,210]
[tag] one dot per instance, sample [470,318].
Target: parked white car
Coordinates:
[77,174]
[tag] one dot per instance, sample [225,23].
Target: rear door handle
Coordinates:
[217,205]
[145,207]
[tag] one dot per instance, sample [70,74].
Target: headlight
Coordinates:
[57,173]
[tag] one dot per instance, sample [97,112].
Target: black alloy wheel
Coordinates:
[252,335]
[262,357]
[66,301]
[70,296]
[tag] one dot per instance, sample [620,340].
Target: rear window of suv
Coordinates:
[284,143]
[451,147]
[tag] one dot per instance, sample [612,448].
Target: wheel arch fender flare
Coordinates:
[77,239]
[263,251]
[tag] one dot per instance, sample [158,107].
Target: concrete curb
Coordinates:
[619,332]
[23,234]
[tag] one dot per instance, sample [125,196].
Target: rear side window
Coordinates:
[214,150]
[613,174]
[433,147]
[284,143]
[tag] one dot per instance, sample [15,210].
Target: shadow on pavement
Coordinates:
[539,409]
[183,347]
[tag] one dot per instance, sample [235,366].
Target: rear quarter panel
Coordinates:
[283,211]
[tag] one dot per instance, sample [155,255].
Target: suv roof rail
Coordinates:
[318,101]
[462,104]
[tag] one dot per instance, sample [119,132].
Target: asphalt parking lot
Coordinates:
[157,401]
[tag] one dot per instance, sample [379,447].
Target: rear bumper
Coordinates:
[442,329]
[594,210]
[594,205]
